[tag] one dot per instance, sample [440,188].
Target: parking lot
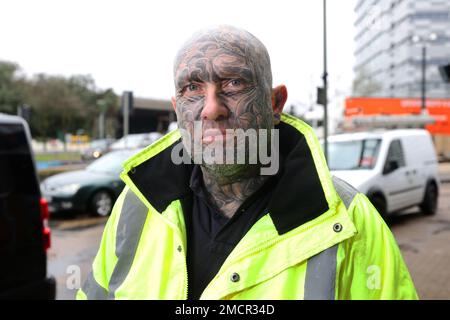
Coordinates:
[423,240]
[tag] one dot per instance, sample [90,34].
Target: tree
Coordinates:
[365,86]
[11,87]
[58,104]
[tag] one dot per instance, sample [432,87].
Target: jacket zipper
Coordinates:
[262,248]
[186,278]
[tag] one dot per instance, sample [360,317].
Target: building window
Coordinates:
[441,15]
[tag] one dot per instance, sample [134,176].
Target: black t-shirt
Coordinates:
[212,236]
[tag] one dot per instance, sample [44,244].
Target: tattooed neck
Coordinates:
[228,193]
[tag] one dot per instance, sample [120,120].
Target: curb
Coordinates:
[444,178]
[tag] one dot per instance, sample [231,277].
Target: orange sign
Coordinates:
[437,108]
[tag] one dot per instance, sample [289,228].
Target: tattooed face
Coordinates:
[223,79]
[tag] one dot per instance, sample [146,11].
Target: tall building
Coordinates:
[388,51]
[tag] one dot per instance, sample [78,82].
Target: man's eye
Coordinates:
[235,83]
[192,87]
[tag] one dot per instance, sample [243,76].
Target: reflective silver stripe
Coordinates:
[129,229]
[93,290]
[320,281]
[320,277]
[345,191]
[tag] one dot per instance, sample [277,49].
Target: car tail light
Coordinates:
[45,215]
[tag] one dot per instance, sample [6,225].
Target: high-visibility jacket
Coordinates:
[321,240]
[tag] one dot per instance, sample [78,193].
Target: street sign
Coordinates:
[127,102]
[127,107]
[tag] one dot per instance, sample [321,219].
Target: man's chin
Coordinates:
[227,173]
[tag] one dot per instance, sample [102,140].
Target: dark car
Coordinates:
[96,149]
[24,232]
[92,190]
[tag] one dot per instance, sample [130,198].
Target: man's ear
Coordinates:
[279,97]
[174,103]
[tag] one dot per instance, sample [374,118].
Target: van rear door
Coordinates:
[22,253]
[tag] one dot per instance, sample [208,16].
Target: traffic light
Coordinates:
[321,96]
[445,72]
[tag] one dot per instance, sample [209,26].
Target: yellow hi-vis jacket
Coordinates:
[321,239]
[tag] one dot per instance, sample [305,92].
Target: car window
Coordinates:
[132,141]
[110,163]
[19,189]
[353,154]
[99,144]
[17,158]
[395,153]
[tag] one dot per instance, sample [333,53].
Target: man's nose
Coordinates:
[214,108]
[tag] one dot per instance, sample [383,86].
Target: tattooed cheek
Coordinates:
[246,121]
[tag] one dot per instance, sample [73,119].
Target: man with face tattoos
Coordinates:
[194,229]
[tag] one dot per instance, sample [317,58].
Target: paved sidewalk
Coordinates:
[444,172]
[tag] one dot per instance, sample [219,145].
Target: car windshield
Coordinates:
[110,163]
[132,141]
[353,155]
[99,144]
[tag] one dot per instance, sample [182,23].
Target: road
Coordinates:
[75,242]
[425,245]
[423,240]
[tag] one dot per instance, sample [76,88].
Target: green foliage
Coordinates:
[58,104]
[10,87]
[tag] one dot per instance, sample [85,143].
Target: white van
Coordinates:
[396,169]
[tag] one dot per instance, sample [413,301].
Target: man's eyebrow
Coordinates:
[185,77]
[230,72]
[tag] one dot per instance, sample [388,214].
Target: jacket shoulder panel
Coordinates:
[345,191]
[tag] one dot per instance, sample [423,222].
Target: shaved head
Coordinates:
[230,40]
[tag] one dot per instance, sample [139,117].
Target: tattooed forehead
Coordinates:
[223,52]
[213,65]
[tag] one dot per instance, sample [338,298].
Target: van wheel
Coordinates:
[430,200]
[380,204]
[101,203]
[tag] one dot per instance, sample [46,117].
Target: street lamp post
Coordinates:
[424,79]
[101,118]
[325,81]
[418,39]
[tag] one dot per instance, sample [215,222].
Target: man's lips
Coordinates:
[211,135]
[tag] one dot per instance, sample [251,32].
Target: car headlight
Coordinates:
[68,189]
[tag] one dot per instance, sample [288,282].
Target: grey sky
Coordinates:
[130,45]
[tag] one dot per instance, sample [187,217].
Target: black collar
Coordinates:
[297,198]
